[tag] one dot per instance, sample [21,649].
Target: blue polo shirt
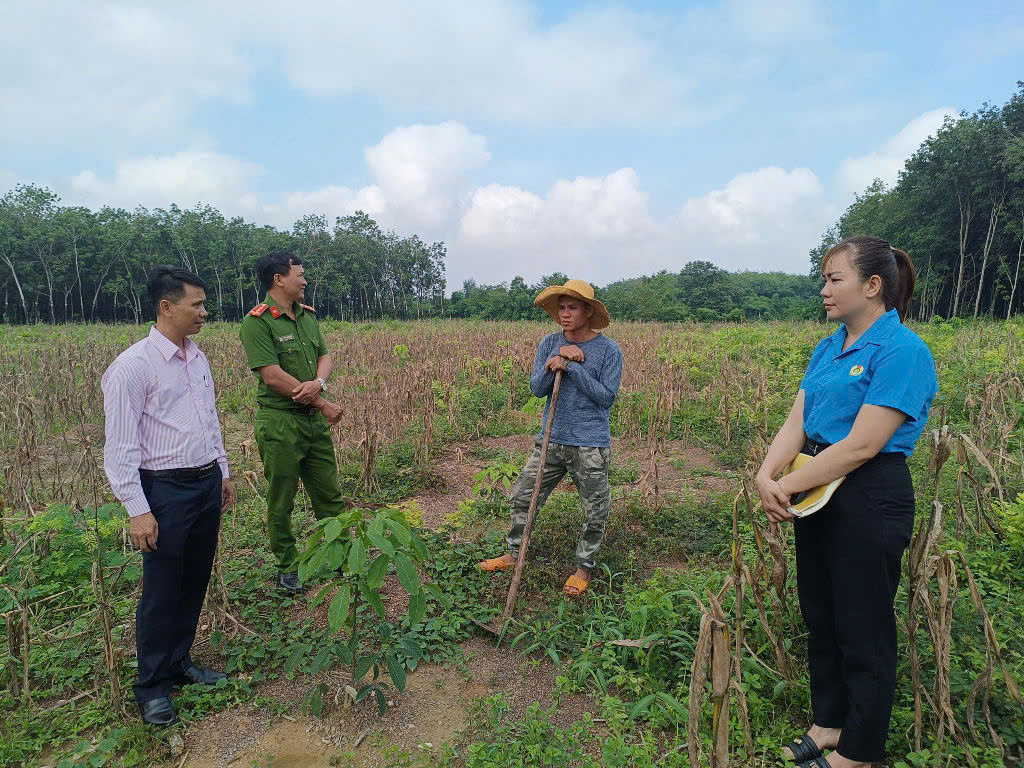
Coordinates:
[888,365]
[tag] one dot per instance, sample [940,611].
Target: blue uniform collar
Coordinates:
[877,334]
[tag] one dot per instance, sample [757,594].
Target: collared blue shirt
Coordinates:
[889,365]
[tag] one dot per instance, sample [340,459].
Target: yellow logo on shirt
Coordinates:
[857,370]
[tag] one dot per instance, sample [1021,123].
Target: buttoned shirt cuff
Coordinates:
[224,468]
[137,505]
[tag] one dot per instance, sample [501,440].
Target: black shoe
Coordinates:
[289,582]
[201,675]
[159,711]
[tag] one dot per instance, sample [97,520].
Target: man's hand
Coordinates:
[306,392]
[774,500]
[227,494]
[556,363]
[332,411]
[143,531]
[571,352]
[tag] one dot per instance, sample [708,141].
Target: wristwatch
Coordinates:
[323,384]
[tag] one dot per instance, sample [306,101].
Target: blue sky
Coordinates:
[600,139]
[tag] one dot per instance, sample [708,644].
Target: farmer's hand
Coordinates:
[143,531]
[556,363]
[571,352]
[773,499]
[332,411]
[227,494]
[306,392]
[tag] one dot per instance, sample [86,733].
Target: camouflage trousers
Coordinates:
[588,468]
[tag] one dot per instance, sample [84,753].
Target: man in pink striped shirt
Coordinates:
[165,460]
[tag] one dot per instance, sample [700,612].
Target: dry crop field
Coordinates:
[687,650]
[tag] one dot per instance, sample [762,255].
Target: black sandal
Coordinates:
[817,762]
[804,751]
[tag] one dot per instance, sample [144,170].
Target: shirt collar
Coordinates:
[169,349]
[879,331]
[296,307]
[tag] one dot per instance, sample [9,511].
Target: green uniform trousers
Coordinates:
[588,468]
[295,445]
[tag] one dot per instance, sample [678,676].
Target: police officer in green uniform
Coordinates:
[284,348]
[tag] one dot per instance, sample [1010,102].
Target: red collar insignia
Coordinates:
[275,312]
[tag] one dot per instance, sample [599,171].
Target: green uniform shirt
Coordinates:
[270,337]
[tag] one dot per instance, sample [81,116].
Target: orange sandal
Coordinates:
[576,583]
[496,564]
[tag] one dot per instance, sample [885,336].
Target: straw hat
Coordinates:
[578,289]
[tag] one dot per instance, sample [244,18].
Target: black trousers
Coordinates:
[174,577]
[848,569]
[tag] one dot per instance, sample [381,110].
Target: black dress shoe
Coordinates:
[289,582]
[201,675]
[159,711]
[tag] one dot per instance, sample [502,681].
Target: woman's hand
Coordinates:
[774,500]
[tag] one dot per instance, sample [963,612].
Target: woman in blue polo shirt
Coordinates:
[862,405]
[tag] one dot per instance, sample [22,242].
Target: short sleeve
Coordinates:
[818,354]
[322,345]
[903,377]
[258,341]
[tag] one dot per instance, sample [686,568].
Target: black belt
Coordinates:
[812,448]
[301,410]
[185,473]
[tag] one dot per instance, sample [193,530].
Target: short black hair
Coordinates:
[168,282]
[276,263]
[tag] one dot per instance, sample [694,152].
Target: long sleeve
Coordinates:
[123,400]
[601,390]
[542,381]
[218,442]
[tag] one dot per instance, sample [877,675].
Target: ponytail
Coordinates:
[905,283]
[874,256]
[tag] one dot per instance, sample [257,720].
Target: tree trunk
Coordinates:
[993,222]
[966,214]
[1016,275]
[9,261]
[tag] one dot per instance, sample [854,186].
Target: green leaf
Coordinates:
[374,601]
[399,531]
[338,612]
[417,608]
[365,662]
[382,703]
[294,659]
[376,527]
[336,553]
[421,549]
[342,652]
[397,672]
[407,573]
[322,660]
[642,706]
[333,529]
[365,691]
[315,700]
[381,543]
[356,556]
[314,564]
[378,570]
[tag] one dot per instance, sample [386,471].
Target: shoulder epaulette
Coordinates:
[306,306]
[258,310]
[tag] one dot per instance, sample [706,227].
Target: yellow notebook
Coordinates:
[810,501]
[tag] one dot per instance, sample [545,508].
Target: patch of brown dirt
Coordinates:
[432,710]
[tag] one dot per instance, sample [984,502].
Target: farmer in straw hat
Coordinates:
[580,435]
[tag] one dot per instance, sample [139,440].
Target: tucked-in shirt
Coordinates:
[161,413]
[889,365]
[270,337]
[587,392]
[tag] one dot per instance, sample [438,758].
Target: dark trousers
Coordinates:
[174,577]
[848,569]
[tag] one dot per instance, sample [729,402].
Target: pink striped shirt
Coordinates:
[160,413]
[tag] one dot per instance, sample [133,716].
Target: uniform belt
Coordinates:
[812,448]
[185,473]
[301,410]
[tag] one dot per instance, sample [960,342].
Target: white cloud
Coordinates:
[856,173]
[105,72]
[183,178]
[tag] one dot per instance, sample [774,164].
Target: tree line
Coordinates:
[958,208]
[62,264]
